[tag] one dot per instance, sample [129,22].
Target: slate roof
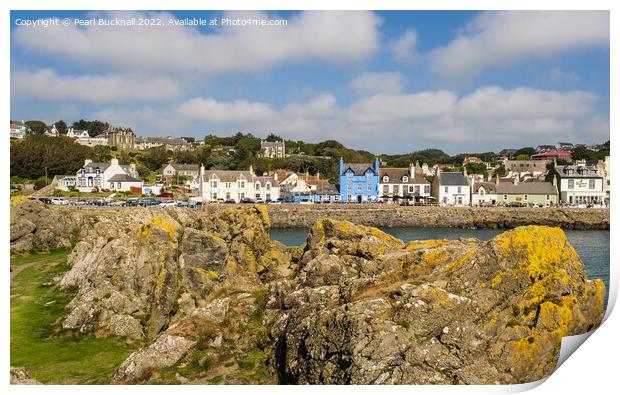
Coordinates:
[268,144]
[359,169]
[227,175]
[452,178]
[91,167]
[489,187]
[396,175]
[530,188]
[264,180]
[123,178]
[185,167]
[585,172]
[326,189]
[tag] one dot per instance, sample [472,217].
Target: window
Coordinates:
[227,195]
[591,184]
[481,191]
[268,186]
[427,189]
[505,197]
[548,197]
[268,196]
[242,195]
[386,178]
[445,189]
[417,189]
[214,196]
[369,188]
[228,185]
[359,187]
[349,188]
[214,184]
[405,179]
[525,197]
[257,196]
[571,184]
[458,189]
[257,185]
[350,175]
[386,189]
[368,175]
[241,183]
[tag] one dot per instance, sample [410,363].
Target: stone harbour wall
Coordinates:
[304,216]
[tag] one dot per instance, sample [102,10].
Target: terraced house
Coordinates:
[95,176]
[236,185]
[578,184]
[359,182]
[404,183]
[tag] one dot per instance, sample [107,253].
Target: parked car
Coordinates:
[99,202]
[182,203]
[45,200]
[59,201]
[247,200]
[259,201]
[80,202]
[14,190]
[230,201]
[148,202]
[514,204]
[118,203]
[169,203]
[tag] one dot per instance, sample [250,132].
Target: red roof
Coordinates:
[553,155]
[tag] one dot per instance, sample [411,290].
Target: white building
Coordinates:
[52,131]
[169,143]
[451,188]
[95,176]
[226,185]
[172,170]
[602,169]
[266,188]
[403,183]
[18,130]
[272,149]
[578,184]
[484,193]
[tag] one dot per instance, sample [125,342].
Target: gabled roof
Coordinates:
[227,175]
[396,174]
[359,169]
[185,167]
[489,187]
[530,188]
[326,189]
[453,178]
[123,178]
[92,167]
[264,180]
[572,171]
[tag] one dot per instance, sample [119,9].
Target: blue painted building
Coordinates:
[359,182]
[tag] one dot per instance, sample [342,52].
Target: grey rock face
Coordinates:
[20,376]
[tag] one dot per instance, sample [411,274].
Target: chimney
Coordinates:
[465,171]
[251,170]
[497,179]
[515,180]
[340,166]
[412,169]
[87,162]
[275,175]
[318,175]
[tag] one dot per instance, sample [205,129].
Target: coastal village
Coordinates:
[549,177]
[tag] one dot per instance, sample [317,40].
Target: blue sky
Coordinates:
[387,82]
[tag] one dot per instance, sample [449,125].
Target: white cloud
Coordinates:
[560,76]
[371,83]
[48,85]
[382,108]
[524,102]
[236,112]
[506,37]
[403,48]
[331,36]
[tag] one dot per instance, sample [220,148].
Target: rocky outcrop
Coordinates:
[364,310]
[225,304]
[37,227]
[20,376]
[388,215]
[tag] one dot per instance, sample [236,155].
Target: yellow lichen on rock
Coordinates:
[422,244]
[158,222]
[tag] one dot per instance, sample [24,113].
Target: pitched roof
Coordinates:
[396,174]
[91,167]
[489,187]
[185,167]
[123,178]
[263,181]
[572,171]
[530,188]
[227,175]
[359,169]
[452,178]
[326,189]
[267,144]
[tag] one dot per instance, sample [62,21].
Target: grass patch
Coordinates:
[51,355]
[54,256]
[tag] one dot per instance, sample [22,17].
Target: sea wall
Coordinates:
[304,216]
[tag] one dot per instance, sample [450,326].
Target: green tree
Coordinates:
[529,151]
[36,153]
[37,127]
[61,126]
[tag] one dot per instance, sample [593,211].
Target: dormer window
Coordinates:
[405,179]
[257,185]
[268,186]
[369,175]
[386,179]
[350,175]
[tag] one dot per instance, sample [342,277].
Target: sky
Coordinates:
[384,81]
